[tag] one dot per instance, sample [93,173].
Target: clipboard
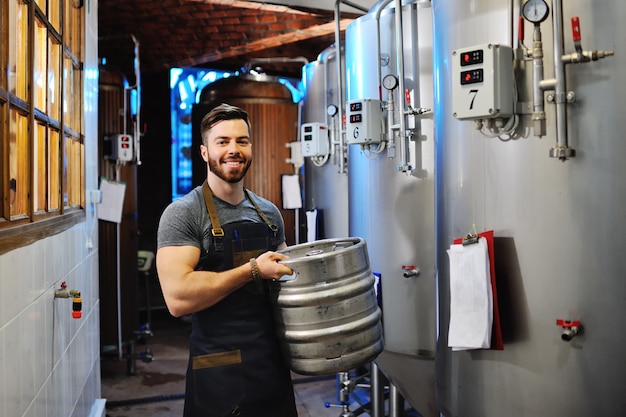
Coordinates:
[496,329]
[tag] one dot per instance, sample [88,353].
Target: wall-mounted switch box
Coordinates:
[482,82]
[364,122]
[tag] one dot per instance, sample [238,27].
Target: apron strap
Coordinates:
[216,226]
[272,227]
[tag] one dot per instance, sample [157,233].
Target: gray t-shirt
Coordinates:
[186,222]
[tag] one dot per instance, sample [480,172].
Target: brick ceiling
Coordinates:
[217,34]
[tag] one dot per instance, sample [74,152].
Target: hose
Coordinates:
[145,400]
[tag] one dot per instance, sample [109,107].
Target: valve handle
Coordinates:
[576,28]
[520,29]
[567,323]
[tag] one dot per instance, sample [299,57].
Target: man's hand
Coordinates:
[269,266]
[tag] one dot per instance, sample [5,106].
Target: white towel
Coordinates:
[311,225]
[471,302]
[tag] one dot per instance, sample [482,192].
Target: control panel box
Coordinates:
[314,139]
[482,82]
[364,122]
[121,148]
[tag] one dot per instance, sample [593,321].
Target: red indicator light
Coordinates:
[468,77]
[466,57]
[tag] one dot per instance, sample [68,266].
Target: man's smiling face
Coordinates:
[228,150]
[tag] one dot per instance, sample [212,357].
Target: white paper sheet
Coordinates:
[292,198]
[112,200]
[471,302]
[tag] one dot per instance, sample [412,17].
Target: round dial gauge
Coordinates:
[332,110]
[390,81]
[535,11]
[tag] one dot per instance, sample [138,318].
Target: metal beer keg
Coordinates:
[327,315]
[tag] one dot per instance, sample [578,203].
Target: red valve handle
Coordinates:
[520,29]
[576,28]
[567,323]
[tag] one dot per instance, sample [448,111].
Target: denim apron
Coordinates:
[235,366]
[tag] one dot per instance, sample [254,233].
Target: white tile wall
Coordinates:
[50,362]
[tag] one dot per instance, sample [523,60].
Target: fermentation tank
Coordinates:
[326,184]
[551,191]
[391,209]
[558,224]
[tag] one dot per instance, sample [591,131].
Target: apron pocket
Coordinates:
[218,382]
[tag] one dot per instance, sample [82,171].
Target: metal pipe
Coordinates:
[342,167]
[137,87]
[404,165]
[376,392]
[379,66]
[396,402]
[539,114]
[562,150]
[331,123]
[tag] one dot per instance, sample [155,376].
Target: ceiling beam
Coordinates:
[267,43]
[252,5]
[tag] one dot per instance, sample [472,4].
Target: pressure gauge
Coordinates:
[535,11]
[332,110]
[390,82]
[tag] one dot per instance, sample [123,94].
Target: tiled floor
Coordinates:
[156,388]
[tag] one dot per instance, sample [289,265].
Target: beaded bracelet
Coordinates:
[256,277]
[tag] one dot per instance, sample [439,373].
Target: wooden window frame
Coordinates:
[65,174]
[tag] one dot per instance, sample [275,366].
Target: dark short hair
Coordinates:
[220,113]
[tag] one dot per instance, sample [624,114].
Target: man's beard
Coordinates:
[232,176]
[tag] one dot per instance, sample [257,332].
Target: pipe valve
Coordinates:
[580,55]
[570,329]
[410,271]
[77,301]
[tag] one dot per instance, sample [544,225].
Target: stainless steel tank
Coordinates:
[327,316]
[559,226]
[326,188]
[392,210]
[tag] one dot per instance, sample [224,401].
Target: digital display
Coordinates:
[355,118]
[472,76]
[472,57]
[308,129]
[308,137]
[356,106]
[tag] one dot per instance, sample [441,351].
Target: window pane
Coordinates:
[54,182]
[68,89]
[73,29]
[4,18]
[40,168]
[4,214]
[39,66]
[76,174]
[54,16]
[18,165]
[18,49]
[54,80]
[67,152]
[77,116]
